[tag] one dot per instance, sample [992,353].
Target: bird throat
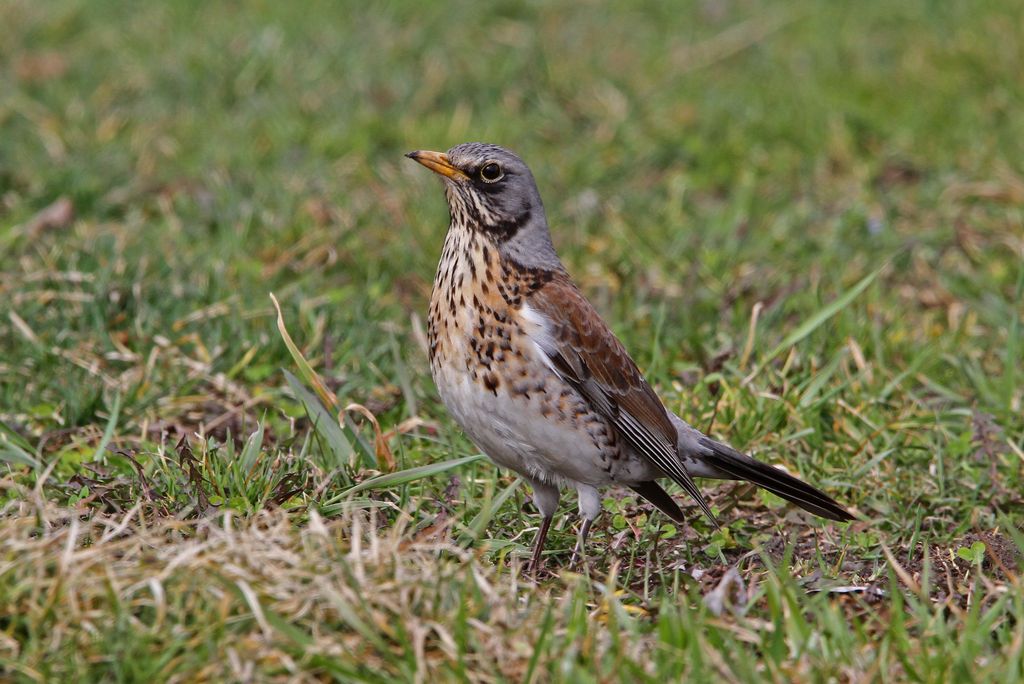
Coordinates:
[470,208]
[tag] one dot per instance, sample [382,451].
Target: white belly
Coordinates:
[514,433]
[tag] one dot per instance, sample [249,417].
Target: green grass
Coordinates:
[176,508]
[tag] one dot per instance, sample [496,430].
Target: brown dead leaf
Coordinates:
[322,212]
[59,214]
[730,593]
[40,66]
[384,455]
[408,425]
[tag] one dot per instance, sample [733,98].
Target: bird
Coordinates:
[534,376]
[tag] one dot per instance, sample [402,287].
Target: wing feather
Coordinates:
[585,352]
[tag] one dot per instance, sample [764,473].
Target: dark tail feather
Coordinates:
[743,467]
[661,500]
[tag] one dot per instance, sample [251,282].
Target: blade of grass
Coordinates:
[486,514]
[313,379]
[108,433]
[10,435]
[352,505]
[1012,347]
[348,613]
[404,378]
[339,447]
[820,379]
[251,450]
[12,453]
[817,320]
[305,370]
[409,475]
[915,364]
[539,646]
[15,449]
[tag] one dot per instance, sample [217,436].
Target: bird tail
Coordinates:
[661,499]
[739,466]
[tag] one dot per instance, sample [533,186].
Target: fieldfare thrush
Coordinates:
[534,376]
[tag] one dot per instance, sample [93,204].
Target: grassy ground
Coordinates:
[804,220]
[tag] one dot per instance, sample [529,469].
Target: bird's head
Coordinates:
[491,191]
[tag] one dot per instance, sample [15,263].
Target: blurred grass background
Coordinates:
[163,166]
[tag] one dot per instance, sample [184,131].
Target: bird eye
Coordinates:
[491,172]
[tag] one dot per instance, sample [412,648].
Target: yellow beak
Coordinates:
[438,163]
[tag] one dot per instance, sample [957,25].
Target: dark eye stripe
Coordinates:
[504,230]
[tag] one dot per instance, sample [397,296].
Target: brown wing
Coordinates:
[585,352]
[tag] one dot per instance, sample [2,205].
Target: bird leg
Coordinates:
[590,508]
[538,545]
[578,553]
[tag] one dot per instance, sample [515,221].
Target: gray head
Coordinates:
[492,192]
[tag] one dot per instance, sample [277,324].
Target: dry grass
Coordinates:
[281,597]
[344,597]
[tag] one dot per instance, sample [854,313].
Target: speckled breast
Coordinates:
[492,379]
